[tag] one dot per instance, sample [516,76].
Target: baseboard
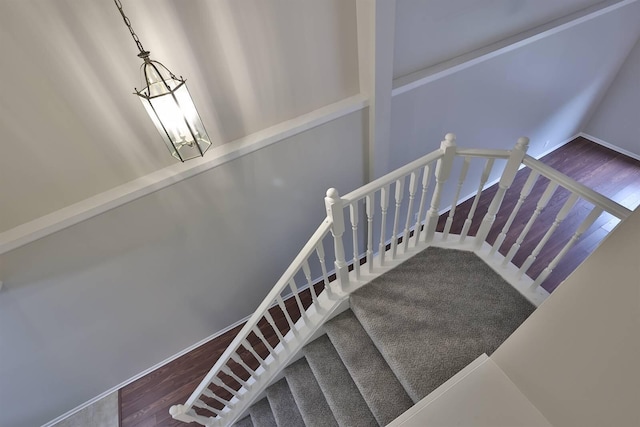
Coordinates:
[145,372]
[610,146]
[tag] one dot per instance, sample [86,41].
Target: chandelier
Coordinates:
[168,102]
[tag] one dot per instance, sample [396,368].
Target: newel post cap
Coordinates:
[523,142]
[332,193]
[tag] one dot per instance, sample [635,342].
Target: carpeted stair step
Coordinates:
[311,402]
[342,394]
[284,408]
[245,422]
[261,414]
[379,386]
[436,314]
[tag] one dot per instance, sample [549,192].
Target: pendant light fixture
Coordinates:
[169,104]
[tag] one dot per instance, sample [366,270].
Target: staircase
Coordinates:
[398,338]
[405,333]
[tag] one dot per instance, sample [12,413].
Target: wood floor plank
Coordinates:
[146,402]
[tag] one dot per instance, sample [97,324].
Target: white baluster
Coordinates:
[399,188]
[307,275]
[292,325]
[274,326]
[249,347]
[353,216]
[200,404]
[443,169]
[296,295]
[221,384]
[588,222]
[546,196]
[323,266]
[384,204]
[236,358]
[524,193]
[508,175]
[417,229]
[229,372]
[413,187]
[215,397]
[335,212]
[483,180]
[369,201]
[186,415]
[564,211]
[454,203]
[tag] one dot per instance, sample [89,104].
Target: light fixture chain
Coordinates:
[128,24]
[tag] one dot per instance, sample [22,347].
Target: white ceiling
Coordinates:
[70,127]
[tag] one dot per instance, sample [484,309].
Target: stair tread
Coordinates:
[448,300]
[284,408]
[245,422]
[341,393]
[308,395]
[261,414]
[377,383]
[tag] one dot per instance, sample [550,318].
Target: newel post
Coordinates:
[335,212]
[443,170]
[508,175]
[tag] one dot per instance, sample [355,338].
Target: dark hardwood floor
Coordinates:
[146,402]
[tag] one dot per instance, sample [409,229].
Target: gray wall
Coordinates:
[95,304]
[616,119]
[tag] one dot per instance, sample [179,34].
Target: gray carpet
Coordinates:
[407,332]
[448,300]
[377,383]
[313,405]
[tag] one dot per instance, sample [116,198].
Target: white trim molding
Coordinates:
[609,146]
[103,202]
[422,77]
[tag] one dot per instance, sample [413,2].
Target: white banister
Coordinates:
[443,169]
[417,229]
[399,189]
[369,208]
[524,193]
[231,385]
[508,175]
[564,211]
[572,185]
[542,203]
[588,222]
[353,215]
[413,187]
[335,212]
[384,204]
[483,180]
[456,197]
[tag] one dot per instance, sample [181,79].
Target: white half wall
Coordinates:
[90,306]
[615,121]
[576,357]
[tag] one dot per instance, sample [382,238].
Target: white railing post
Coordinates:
[508,175]
[335,212]
[443,170]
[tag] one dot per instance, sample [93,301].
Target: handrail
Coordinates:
[585,192]
[304,254]
[377,184]
[485,153]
